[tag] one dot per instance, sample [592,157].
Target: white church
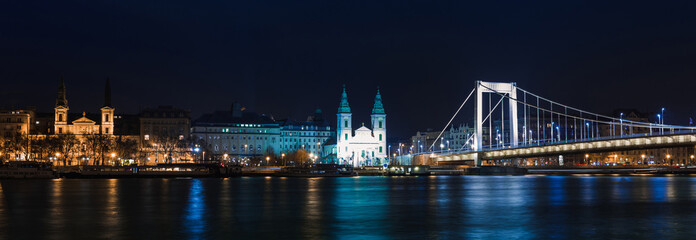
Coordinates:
[365,147]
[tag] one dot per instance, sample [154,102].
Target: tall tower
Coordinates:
[344,128]
[60,121]
[107,112]
[379,126]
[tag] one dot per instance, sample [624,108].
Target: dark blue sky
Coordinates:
[286,58]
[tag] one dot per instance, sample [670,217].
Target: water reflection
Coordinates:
[448,207]
[194,224]
[311,224]
[3,216]
[111,214]
[56,219]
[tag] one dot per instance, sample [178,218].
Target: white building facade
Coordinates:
[366,146]
[236,135]
[310,135]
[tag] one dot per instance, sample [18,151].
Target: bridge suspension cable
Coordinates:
[451,119]
[552,118]
[484,120]
[626,122]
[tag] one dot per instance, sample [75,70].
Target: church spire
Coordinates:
[378,108]
[344,107]
[107,94]
[61,100]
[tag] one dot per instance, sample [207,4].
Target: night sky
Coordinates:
[286,58]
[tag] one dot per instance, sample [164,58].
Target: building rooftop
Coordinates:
[228,117]
[165,112]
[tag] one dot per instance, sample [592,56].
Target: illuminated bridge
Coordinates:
[547,128]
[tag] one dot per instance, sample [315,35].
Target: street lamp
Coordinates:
[663,114]
[268,159]
[668,157]
[642,157]
[621,123]
[552,124]
[558,132]
[659,121]
[497,140]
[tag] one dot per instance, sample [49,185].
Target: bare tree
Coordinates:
[41,147]
[272,158]
[299,157]
[15,144]
[169,145]
[126,148]
[97,146]
[67,145]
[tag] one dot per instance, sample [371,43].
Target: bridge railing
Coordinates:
[550,142]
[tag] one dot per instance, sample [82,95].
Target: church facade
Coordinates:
[83,125]
[365,146]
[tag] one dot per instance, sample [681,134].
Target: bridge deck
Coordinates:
[633,142]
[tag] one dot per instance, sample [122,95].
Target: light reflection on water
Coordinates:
[456,207]
[194,221]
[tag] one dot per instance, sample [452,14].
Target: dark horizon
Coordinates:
[287,59]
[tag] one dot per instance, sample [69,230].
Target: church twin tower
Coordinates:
[83,125]
[365,147]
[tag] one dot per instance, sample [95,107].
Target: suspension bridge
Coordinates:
[533,126]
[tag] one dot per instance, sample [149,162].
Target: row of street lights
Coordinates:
[642,157]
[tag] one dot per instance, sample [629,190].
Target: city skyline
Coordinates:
[356,119]
[586,56]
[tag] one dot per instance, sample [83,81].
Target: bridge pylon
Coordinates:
[509,89]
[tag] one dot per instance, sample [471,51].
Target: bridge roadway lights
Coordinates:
[633,143]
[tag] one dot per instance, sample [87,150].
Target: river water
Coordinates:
[444,207]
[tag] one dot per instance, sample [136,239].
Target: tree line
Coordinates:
[91,149]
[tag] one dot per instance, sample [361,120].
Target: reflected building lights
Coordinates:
[194,222]
[311,225]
